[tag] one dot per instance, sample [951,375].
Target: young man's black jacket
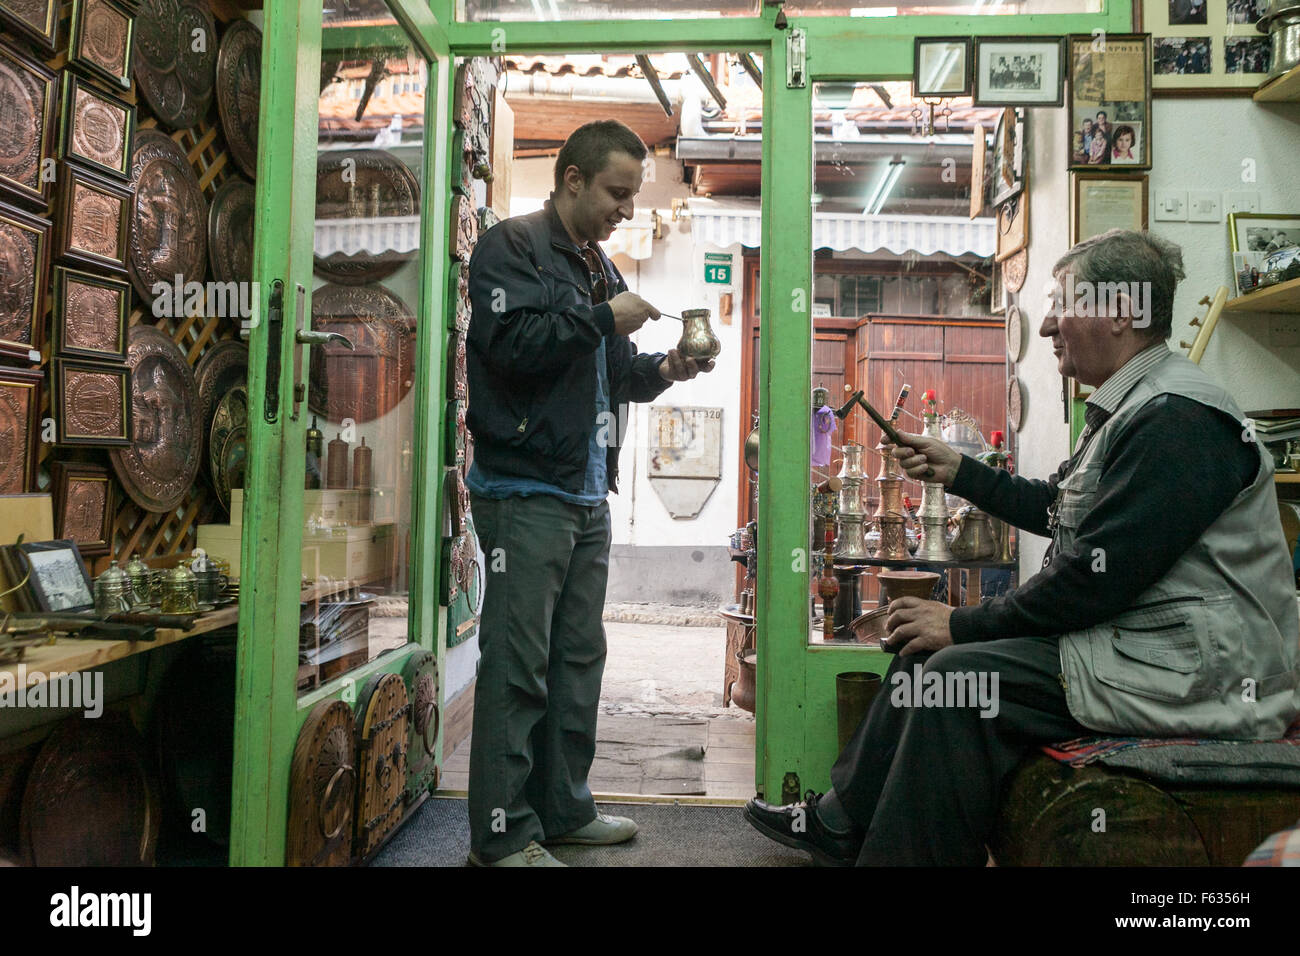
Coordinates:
[530,354]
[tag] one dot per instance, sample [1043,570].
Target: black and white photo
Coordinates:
[59,579]
[1019,71]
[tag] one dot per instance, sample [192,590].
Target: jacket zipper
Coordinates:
[1149,630]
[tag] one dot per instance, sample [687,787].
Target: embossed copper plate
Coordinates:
[83,505]
[97,127]
[101,40]
[230,464]
[173,76]
[160,465]
[222,368]
[231,413]
[28,93]
[90,315]
[367,382]
[362,185]
[169,221]
[94,220]
[1014,270]
[230,231]
[239,86]
[37,20]
[24,254]
[90,403]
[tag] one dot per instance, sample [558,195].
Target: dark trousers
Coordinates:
[542,647]
[924,782]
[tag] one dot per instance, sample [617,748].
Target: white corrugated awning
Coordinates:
[926,235]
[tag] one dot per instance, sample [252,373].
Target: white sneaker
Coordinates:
[531,855]
[602,831]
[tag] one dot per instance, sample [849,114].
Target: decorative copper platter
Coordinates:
[169,222]
[223,367]
[230,231]
[231,413]
[175,72]
[239,86]
[29,93]
[360,186]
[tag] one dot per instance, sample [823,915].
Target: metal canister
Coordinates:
[336,475]
[362,460]
[180,591]
[315,454]
[113,591]
[138,572]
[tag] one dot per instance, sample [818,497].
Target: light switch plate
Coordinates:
[1204,205]
[1240,200]
[1171,204]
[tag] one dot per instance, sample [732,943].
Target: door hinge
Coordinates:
[796,60]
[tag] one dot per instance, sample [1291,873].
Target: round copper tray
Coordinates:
[364,184]
[368,381]
[231,413]
[160,465]
[231,462]
[174,78]
[230,232]
[223,367]
[170,217]
[239,87]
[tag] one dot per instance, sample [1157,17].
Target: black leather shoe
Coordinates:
[797,825]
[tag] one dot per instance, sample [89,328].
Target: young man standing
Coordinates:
[551,372]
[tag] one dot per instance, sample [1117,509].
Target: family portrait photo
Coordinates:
[1016,72]
[1102,140]
[1180,56]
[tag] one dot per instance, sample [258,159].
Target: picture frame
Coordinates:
[941,67]
[1211,48]
[83,506]
[24,267]
[59,581]
[997,292]
[20,424]
[1013,226]
[93,220]
[90,315]
[1019,71]
[978,167]
[101,40]
[1110,91]
[1105,201]
[1006,172]
[91,403]
[37,21]
[35,98]
[1255,237]
[97,128]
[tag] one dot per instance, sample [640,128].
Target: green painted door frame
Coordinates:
[796,701]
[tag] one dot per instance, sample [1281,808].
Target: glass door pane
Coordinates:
[360,402]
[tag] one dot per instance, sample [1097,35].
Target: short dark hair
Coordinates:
[588,147]
[1128,257]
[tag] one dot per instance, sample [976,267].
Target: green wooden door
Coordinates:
[339,554]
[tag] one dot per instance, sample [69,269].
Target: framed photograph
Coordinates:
[1110,101]
[978,164]
[20,410]
[1205,47]
[92,403]
[1013,226]
[997,292]
[1262,241]
[93,219]
[35,20]
[29,92]
[1019,71]
[1103,202]
[90,315]
[24,260]
[83,505]
[941,67]
[1006,172]
[97,128]
[59,580]
[101,39]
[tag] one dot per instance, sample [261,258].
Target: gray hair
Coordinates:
[1122,255]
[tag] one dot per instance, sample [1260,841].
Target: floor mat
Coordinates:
[669,835]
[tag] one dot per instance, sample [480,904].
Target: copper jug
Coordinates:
[974,540]
[698,341]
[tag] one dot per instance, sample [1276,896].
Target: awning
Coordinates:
[842,231]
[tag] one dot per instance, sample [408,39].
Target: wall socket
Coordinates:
[1171,205]
[1204,205]
[1284,331]
[1240,200]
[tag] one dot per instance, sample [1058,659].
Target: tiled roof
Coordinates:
[669,66]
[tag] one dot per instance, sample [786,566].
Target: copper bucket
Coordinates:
[854,693]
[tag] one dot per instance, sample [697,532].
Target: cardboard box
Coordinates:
[333,505]
[356,553]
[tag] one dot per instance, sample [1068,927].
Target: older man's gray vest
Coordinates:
[1209,650]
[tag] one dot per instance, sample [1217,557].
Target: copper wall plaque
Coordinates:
[169,222]
[368,381]
[230,415]
[239,88]
[90,403]
[100,42]
[37,20]
[24,257]
[364,184]
[223,368]
[163,460]
[83,505]
[28,94]
[175,66]
[97,128]
[90,315]
[20,402]
[230,231]
[94,218]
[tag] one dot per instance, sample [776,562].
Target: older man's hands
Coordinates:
[678,368]
[917,626]
[921,453]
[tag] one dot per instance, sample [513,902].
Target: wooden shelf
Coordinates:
[1287,478]
[75,654]
[1284,89]
[1283,297]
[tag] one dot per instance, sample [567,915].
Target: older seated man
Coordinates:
[1165,605]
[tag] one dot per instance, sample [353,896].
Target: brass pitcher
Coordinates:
[975,540]
[698,341]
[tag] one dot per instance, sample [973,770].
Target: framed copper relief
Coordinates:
[91,403]
[36,20]
[90,315]
[28,93]
[24,256]
[94,216]
[102,31]
[97,128]
[20,406]
[83,505]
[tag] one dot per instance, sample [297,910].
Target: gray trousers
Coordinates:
[542,647]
